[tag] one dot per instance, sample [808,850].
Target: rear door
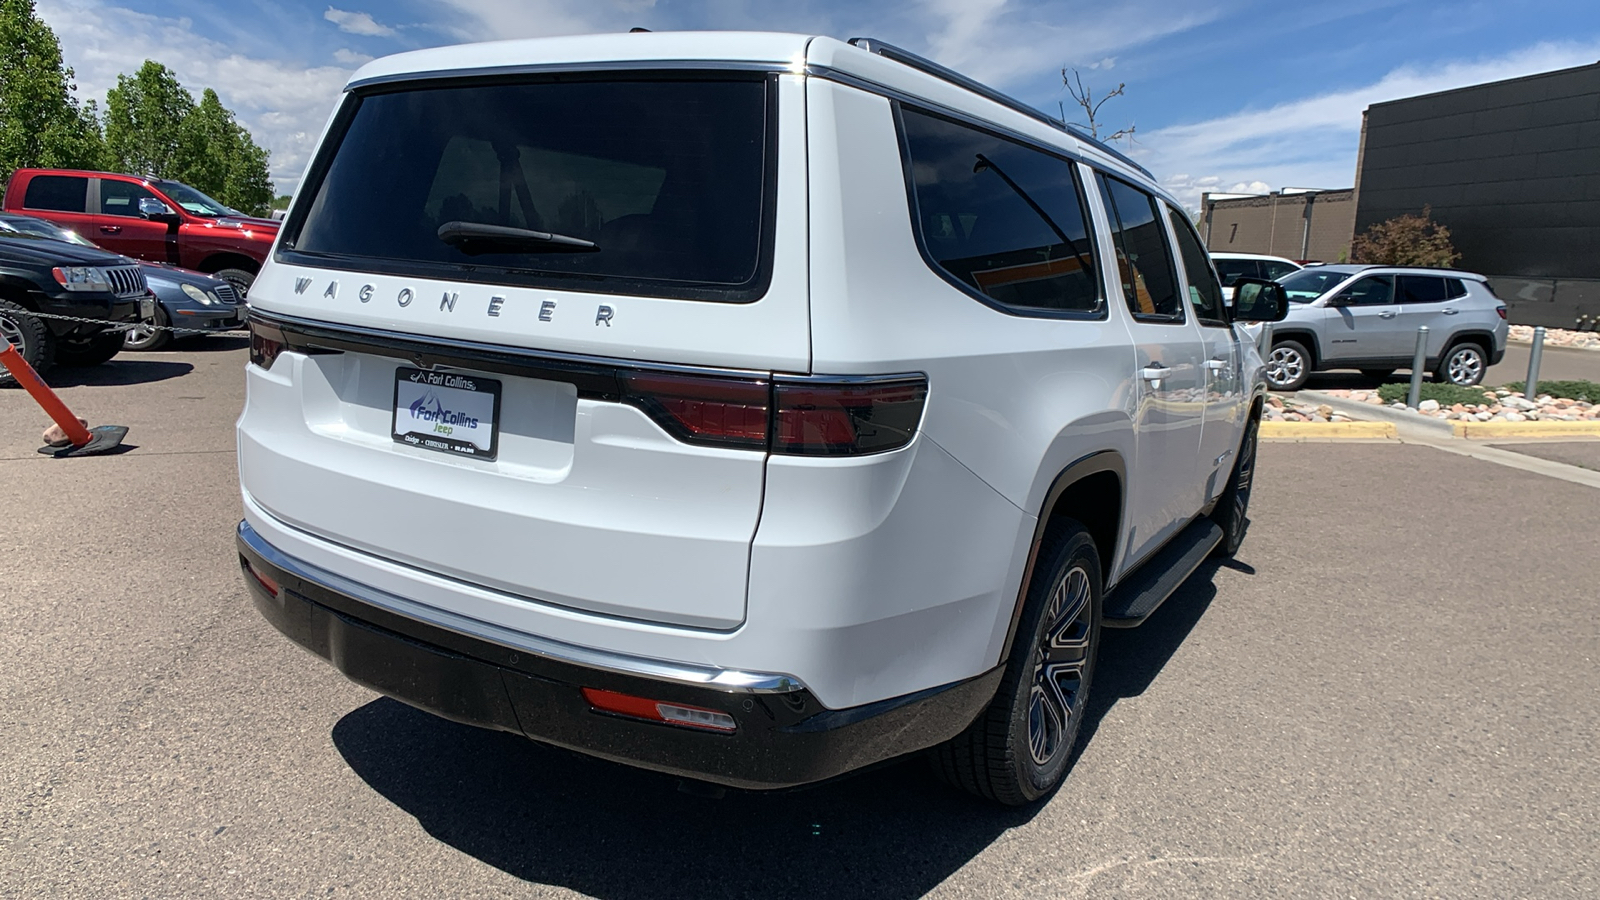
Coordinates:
[119,226]
[1169,362]
[622,359]
[1224,395]
[1426,300]
[1363,322]
[62,199]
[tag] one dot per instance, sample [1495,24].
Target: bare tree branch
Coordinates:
[1084,97]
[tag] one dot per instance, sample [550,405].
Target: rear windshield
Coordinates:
[663,182]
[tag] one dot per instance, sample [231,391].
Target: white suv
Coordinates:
[749,407]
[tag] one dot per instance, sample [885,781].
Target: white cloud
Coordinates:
[357,23]
[1312,142]
[350,57]
[284,103]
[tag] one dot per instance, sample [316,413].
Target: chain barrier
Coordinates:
[236,331]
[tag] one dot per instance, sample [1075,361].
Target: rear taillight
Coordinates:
[818,417]
[792,416]
[724,412]
[1501,310]
[267,584]
[265,344]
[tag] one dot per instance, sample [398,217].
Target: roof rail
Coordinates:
[923,64]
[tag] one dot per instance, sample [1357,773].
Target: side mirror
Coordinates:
[1258,300]
[151,208]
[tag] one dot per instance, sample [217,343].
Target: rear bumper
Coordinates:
[784,737]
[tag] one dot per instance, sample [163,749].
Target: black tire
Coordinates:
[1378,375]
[1463,365]
[241,279]
[1288,366]
[30,336]
[1018,749]
[1233,507]
[89,351]
[154,339]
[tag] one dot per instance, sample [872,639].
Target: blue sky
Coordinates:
[1237,95]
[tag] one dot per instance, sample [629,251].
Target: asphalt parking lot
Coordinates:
[1392,692]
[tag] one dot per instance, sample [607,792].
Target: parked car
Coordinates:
[1366,318]
[147,218]
[42,276]
[747,407]
[1233,266]
[189,299]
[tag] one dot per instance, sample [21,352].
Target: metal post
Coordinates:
[1530,388]
[1419,361]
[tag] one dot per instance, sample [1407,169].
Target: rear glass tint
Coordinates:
[669,178]
[1421,288]
[62,193]
[1232,270]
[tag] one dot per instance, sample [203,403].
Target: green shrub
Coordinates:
[1446,394]
[1572,390]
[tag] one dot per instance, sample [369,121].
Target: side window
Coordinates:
[1453,288]
[1272,270]
[1374,290]
[121,198]
[1205,295]
[1232,270]
[1144,261]
[999,218]
[62,193]
[1420,289]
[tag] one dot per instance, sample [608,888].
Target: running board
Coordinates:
[1153,582]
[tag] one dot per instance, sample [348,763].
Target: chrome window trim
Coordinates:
[731,680]
[708,65]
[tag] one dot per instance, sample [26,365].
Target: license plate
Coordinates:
[448,412]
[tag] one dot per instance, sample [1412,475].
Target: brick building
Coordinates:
[1303,225]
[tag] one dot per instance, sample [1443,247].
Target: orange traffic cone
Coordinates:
[85,441]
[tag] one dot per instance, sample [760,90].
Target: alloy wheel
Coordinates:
[13,334]
[1465,368]
[1058,672]
[1285,365]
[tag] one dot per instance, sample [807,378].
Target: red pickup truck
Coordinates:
[147,218]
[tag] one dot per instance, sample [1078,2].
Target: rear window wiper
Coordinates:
[474,238]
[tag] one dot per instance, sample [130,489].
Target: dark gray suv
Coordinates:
[1366,318]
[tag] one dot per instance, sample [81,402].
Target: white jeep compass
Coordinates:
[748,407]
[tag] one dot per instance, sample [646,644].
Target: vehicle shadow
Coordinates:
[120,371]
[209,343]
[606,830]
[1131,658]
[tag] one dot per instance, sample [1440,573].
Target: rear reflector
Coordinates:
[660,711]
[267,584]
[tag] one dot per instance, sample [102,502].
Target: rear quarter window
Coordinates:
[59,193]
[670,176]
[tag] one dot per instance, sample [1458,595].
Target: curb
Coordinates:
[1404,418]
[1329,429]
[1493,429]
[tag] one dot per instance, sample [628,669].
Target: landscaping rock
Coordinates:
[1428,406]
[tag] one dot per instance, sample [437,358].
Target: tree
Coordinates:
[143,115]
[219,157]
[41,123]
[1407,240]
[154,126]
[1091,107]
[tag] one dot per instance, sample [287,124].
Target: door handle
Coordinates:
[1386,314]
[1450,310]
[1217,365]
[111,229]
[1154,372]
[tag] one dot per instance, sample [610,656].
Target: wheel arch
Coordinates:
[1305,336]
[216,262]
[1474,335]
[1092,491]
